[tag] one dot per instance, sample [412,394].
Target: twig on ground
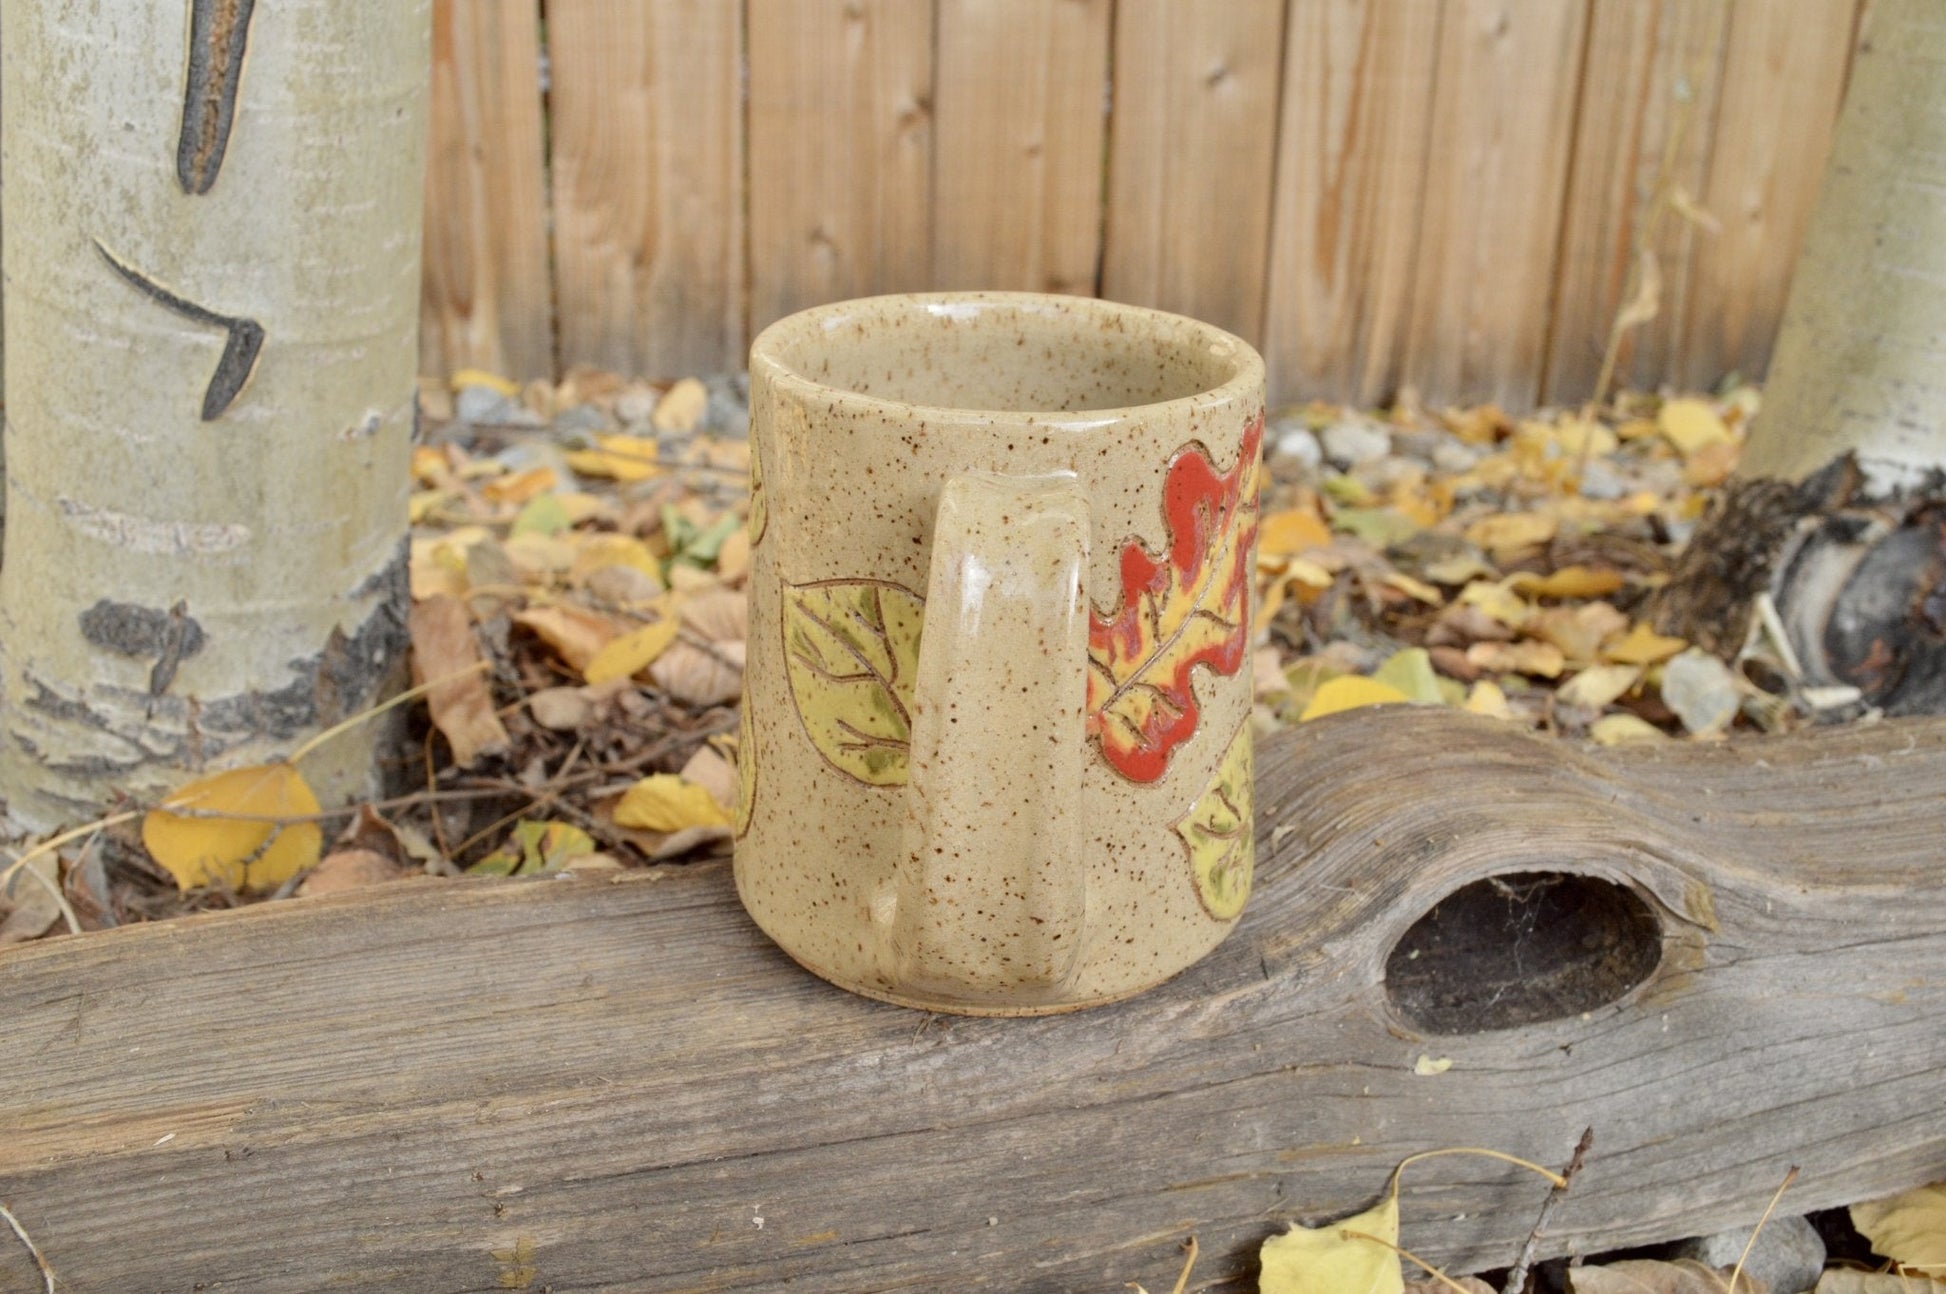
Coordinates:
[1785,1185]
[40,1261]
[1517,1274]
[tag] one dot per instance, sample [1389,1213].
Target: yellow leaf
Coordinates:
[1579,631]
[520,486]
[1217,832]
[1410,672]
[633,652]
[1542,660]
[681,406]
[1498,601]
[480,377]
[576,636]
[1569,582]
[1691,425]
[1293,531]
[1510,532]
[1327,1261]
[1426,1066]
[852,650]
[1351,692]
[1598,685]
[1488,699]
[1623,730]
[621,457]
[240,852]
[666,802]
[1584,436]
[1642,646]
[534,848]
[1412,588]
[1910,1229]
[1306,572]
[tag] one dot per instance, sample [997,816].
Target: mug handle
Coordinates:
[991,888]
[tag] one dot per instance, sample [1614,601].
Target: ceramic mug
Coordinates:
[996,750]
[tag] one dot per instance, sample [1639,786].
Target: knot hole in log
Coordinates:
[1522,948]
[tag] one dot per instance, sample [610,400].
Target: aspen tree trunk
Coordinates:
[1838,507]
[212,211]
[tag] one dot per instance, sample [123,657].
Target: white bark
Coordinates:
[1860,362]
[184,591]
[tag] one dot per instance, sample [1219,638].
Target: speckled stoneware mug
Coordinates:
[996,747]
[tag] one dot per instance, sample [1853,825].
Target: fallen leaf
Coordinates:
[243,853]
[1595,687]
[1498,601]
[1410,672]
[708,769]
[1487,698]
[1291,532]
[1840,1280]
[1579,632]
[1642,646]
[546,515]
[1712,465]
[1641,1276]
[619,457]
[1469,1284]
[1352,692]
[1910,1229]
[576,636]
[1624,730]
[633,651]
[349,869]
[1701,690]
[466,377]
[1325,1260]
[519,487]
[1412,588]
[681,406]
[1691,425]
[1538,659]
[1462,568]
[1569,582]
[1379,527]
[700,676]
[733,561]
[1426,1066]
[561,709]
[1510,533]
[445,654]
[668,802]
[533,848]
[28,903]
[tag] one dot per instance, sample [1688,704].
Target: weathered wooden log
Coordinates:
[598,1085]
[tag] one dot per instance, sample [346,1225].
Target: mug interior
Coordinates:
[1004,352]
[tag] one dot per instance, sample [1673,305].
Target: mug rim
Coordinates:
[1244,383]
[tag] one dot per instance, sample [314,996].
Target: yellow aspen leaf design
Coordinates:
[852,648]
[1189,606]
[746,771]
[1217,832]
[759,519]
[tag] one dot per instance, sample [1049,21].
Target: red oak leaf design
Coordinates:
[1184,607]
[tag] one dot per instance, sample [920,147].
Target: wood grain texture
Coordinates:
[647,138]
[1648,98]
[1496,175]
[621,1085]
[1351,170]
[840,151]
[1192,144]
[1017,167]
[487,299]
[1784,66]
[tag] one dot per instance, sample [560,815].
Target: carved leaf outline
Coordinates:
[851,648]
[746,770]
[1184,607]
[1218,832]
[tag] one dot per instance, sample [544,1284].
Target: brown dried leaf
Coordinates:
[1542,660]
[445,655]
[700,676]
[1471,1284]
[575,635]
[715,774]
[349,869]
[1579,631]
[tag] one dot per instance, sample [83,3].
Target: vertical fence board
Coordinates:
[486,298]
[1017,171]
[1351,162]
[1192,140]
[1783,77]
[647,132]
[1648,99]
[840,151]
[1496,175]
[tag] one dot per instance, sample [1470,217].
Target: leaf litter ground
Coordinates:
[578,561]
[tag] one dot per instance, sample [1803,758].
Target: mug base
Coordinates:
[950,1006]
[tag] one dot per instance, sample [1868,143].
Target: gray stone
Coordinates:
[1454,456]
[1293,443]
[1701,690]
[1354,441]
[583,417]
[484,405]
[1601,481]
[1788,1256]
[728,410]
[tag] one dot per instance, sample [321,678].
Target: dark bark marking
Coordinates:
[245,337]
[170,636]
[219,32]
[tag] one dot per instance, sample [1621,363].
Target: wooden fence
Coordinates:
[1451,194]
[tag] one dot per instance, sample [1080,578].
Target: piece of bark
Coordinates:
[412,1087]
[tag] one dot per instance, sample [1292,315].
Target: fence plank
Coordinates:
[1647,103]
[1496,175]
[647,136]
[840,151]
[1784,70]
[486,297]
[1019,144]
[1192,141]
[1351,162]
